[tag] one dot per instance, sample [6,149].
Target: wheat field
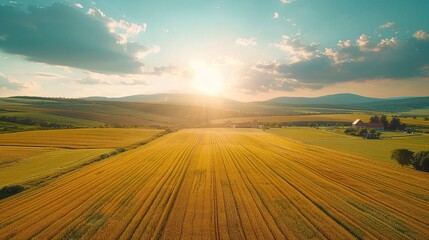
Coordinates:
[225,184]
[78,138]
[26,158]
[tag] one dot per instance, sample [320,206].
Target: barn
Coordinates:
[359,124]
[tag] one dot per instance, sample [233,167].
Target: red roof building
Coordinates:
[361,124]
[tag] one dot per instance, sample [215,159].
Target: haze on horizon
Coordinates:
[244,50]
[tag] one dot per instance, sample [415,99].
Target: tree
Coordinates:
[383,119]
[361,132]
[421,161]
[395,123]
[374,119]
[312,124]
[402,156]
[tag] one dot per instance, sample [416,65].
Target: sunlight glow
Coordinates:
[207,79]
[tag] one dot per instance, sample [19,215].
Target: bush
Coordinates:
[421,161]
[120,150]
[350,131]
[8,191]
[402,156]
[361,132]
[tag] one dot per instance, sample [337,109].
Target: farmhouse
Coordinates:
[359,124]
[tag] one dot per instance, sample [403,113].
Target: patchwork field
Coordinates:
[225,184]
[375,149]
[29,156]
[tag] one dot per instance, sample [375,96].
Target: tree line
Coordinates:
[30,122]
[406,157]
[393,124]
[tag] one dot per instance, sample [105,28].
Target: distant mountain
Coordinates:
[168,98]
[337,99]
[394,105]
[280,105]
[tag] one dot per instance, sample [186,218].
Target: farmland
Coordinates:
[300,118]
[375,149]
[26,157]
[225,184]
[334,117]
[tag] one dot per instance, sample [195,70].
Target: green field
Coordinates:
[375,149]
[331,118]
[52,118]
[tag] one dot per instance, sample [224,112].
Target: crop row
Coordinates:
[225,184]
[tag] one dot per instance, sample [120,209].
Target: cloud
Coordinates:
[47,75]
[265,77]
[10,83]
[159,71]
[421,35]
[123,29]
[276,15]
[351,61]
[246,41]
[388,59]
[142,51]
[133,82]
[92,81]
[297,50]
[62,35]
[78,5]
[387,25]
[287,1]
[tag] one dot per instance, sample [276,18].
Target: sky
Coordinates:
[241,49]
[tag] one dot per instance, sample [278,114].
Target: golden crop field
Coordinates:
[78,138]
[225,184]
[26,157]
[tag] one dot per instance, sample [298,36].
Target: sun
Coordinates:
[207,79]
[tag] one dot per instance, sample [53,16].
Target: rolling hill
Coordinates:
[182,110]
[336,99]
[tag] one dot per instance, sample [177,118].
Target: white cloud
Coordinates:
[144,51]
[363,41]
[366,45]
[129,28]
[344,44]
[123,29]
[96,12]
[387,25]
[297,49]
[421,35]
[276,15]
[134,82]
[246,41]
[78,5]
[9,83]
[392,42]
[287,1]
[92,81]
[348,52]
